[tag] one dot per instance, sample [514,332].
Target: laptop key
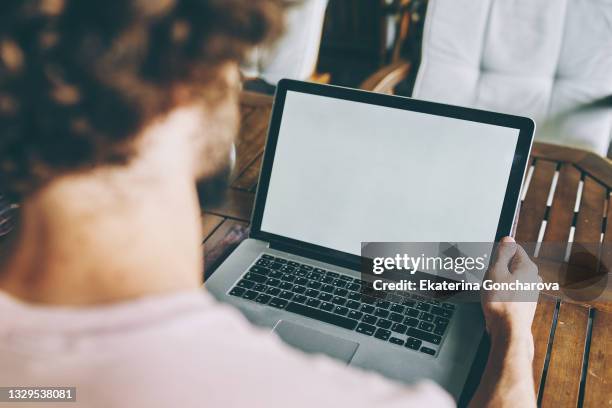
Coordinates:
[399,328]
[354,296]
[423,335]
[326,297]
[355,287]
[266,256]
[341,310]
[367,309]
[428,317]
[426,326]
[313,302]
[288,277]
[411,321]
[353,304]
[423,306]
[327,279]
[366,329]
[260,287]
[285,295]
[382,334]
[353,314]
[299,289]
[414,344]
[341,292]
[280,260]
[439,311]
[429,351]
[397,341]
[314,285]
[346,278]
[411,312]
[339,283]
[275,274]
[321,315]
[250,295]
[300,299]
[328,288]
[301,281]
[245,284]
[439,330]
[289,269]
[276,265]
[277,303]
[396,317]
[328,307]
[263,298]
[285,286]
[448,306]
[381,313]
[382,304]
[236,291]
[306,267]
[292,263]
[339,300]
[397,308]
[441,320]
[259,269]
[369,319]
[312,293]
[385,324]
[272,291]
[255,277]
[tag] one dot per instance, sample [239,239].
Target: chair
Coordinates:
[539,58]
[295,54]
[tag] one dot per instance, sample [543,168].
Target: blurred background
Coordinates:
[550,60]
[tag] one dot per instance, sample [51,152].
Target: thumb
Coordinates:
[505,251]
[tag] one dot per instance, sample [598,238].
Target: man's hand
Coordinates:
[508,378]
[508,314]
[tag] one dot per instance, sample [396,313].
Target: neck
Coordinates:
[109,235]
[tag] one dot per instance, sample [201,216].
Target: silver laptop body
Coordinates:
[297,232]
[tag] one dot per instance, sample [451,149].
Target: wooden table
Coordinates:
[573,341]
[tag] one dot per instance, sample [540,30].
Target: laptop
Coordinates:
[342,167]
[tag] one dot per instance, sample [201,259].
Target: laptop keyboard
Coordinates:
[407,320]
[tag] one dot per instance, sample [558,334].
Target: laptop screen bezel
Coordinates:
[524,125]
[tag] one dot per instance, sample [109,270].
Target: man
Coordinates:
[110,112]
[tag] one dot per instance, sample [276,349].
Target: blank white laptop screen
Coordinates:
[347,172]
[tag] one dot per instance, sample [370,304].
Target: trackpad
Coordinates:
[314,341]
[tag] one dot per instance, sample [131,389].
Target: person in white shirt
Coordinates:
[111,112]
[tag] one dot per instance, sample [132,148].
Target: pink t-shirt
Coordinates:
[180,350]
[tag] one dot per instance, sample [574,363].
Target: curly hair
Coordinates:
[78,79]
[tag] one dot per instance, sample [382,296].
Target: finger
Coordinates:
[521,263]
[505,251]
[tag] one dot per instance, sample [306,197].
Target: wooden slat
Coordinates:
[585,251]
[251,140]
[598,384]
[248,179]
[561,213]
[558,153]
[220,244]
[534,206]
[210,222]
[563,376]
[598,167]
[542,323]
[237,204]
